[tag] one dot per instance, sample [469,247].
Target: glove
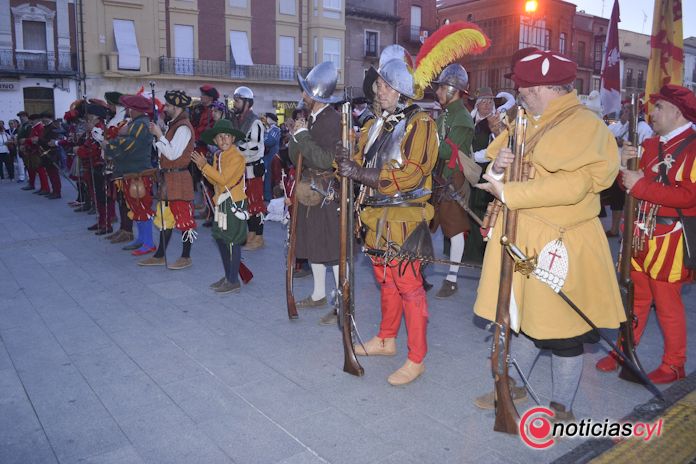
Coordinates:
[349,168]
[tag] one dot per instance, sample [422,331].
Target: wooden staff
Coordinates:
[506,416]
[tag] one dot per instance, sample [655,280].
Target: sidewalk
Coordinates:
[104,361]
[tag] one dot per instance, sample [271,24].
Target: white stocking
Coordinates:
[456,254]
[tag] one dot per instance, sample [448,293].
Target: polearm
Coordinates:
[519,256]
[160,179]
[626,339]
[506,415]
[345,316]
[292,233]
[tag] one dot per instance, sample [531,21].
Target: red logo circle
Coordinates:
[535,428]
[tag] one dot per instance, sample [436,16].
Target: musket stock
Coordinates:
[506,415]
[290,262]
[345,273]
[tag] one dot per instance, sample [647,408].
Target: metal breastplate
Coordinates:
[388,153]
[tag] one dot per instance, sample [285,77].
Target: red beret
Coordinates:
[543,68]
[521,53]
[136,102]
[679,96]
[210,91]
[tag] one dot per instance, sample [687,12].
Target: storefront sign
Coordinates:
[8,86]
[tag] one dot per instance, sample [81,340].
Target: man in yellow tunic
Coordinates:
[573,158]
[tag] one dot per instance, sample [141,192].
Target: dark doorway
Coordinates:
[38,99]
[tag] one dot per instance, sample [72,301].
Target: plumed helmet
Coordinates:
[320,83]
[243,92]
[396,68]
[455,76]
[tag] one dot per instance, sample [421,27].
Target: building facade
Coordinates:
[589,43]
[38,56]
[690,63]
[635,55]
[371,25]
[182,44]
[510,28]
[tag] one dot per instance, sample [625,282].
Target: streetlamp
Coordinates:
[531,6]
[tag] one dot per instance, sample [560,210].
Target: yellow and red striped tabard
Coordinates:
[419,148]
[662,257]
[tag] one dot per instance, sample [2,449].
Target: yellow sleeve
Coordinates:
[232,170]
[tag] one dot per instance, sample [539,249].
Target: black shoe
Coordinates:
[104,231]
[208,224]
[93,227]
[40,192]
[82,209]
[27,187]
[54,196]
[92,210]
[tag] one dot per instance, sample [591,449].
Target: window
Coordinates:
[415,23]
[332,9]
[238,3]
[126,45]
[598,57]
[34,35]
[316,51]
[286,57]
[581,53]
[533,33]
[332,51]
[371,43]
[579,85]
[287,7]
[639,83]
[562,43]
[239,43]
[183,49]
[629,77]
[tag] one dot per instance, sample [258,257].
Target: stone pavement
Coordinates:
[103,361]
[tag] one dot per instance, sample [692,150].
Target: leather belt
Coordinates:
[401,205]
[169,170]
[665,220]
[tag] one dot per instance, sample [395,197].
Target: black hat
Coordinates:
[177,98]
[22,113]
[113,97]
[272,116]
[97,110]
[46,114]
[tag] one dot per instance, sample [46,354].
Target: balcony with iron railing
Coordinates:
[59,64]
[226,69]
[412,34]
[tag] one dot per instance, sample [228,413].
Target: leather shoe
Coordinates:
[134,246]
[330,318]
[560,413]
[215,285]
[151,261]
[447,290]
[228,287]
[407,373]
[54,196]
[608,363]
[123,237]
[27,187]
[181,263]
[667,373]
[93,227]
[143,250]
[376,347]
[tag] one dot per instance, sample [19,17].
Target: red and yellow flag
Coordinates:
[666,64]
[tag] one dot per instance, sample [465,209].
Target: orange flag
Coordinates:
[666,64]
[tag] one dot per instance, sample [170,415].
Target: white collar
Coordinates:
[316,113]
[667,137]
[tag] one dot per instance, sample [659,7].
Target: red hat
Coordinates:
[679,96]
[521,53]
[543,68]
[136,102]
[209,90]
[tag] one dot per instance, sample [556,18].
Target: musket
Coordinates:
[626,336]
[345,256]
[292,235]
[527,266]
[160,179]
[506,415]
